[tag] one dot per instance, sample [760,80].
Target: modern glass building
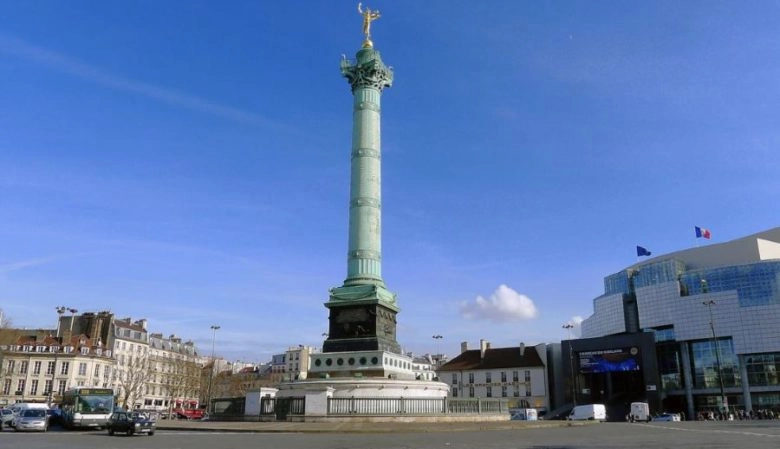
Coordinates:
[714,312]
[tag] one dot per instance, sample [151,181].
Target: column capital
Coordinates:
[368,71]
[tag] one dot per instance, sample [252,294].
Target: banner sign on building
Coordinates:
[609,360]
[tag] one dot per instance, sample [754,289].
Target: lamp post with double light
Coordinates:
[59,345]
[214,328]
[569,327]
[723,402]
[438,362]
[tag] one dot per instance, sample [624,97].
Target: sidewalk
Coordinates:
[352,427]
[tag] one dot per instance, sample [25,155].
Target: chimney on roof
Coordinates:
[142,323]
[464,346]
[484,345]
[522,349]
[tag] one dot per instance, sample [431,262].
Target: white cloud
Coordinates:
[505,304]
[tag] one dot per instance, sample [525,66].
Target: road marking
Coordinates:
[734,432]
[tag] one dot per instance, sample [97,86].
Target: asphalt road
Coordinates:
[709,435]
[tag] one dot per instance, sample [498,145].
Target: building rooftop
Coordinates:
[753,248]
[515,357]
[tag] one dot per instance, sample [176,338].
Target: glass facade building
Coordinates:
[715,315]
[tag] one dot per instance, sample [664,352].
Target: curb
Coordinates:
[288,427]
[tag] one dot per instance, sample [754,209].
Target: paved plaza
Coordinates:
[709,435]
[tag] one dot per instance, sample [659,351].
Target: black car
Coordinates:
[130,423]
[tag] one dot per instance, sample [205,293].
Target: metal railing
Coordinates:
[281,408]
[415,406]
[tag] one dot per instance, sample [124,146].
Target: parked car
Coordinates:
[130,423]
[32,419]
[669,417]
[55,417]
[6,418]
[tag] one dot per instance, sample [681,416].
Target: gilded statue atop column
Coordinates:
[368,17]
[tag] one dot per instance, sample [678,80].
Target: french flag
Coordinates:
[702,233]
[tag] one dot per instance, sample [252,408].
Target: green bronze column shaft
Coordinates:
[364,257]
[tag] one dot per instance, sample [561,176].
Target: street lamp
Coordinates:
[709,304]
[569,327]
[438,337]
[214,329]
[60,311]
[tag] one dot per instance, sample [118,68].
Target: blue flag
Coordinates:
[642,251]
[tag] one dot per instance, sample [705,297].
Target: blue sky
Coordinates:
[188,161]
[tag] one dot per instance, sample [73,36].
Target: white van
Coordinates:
[640,411]
[594,412]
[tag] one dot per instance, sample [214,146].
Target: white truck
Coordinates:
[640,411]
[593,412]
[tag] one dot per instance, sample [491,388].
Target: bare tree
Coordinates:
[6,337]
[237,385]
[132,378]
[5,322]
[180,379]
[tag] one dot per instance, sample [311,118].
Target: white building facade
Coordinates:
[518,374]
[40,367]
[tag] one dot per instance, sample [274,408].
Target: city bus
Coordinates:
[87,407]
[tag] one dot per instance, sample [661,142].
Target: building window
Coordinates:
[50,368]
[23,366]
[488,377]
[704,355]
[11,365]
[471,378]
[471,392]
[82,369]
[503,391]
[503,376]
[97,371]
[7,386]
[37,367]
[516,393]
[528,392]
[454,392]
[454,379]
[20,386]
[527,376]
[763,369]
[61,389]
[515,376]
[490,392]
[65,368]
[47,386]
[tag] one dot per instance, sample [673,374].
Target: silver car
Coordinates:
[6,418]
[32,419]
